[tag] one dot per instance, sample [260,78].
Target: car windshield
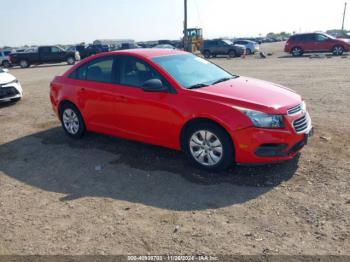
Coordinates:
[228,42]
[329,36]
[191,71]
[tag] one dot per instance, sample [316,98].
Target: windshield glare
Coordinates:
[228,42]
[189,70]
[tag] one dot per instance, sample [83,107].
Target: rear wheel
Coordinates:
[23,64]
[232,54]
[207,54]
[209,147]
[6,64]
[70,60]
[72,121]
[249,52]
[297,51]
[338,50]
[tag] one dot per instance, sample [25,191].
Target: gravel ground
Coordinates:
[103,195]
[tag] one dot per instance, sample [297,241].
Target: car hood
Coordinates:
[344,40]
[254,94]
[6,78]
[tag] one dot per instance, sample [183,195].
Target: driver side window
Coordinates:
[135,72]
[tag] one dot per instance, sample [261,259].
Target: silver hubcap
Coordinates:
[70,60]
[338,50]
[297,51]
[206,148]
[23,63]
[70,121]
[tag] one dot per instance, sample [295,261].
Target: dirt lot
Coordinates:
[147,199]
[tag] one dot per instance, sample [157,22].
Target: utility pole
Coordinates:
[342,27]
[185,28]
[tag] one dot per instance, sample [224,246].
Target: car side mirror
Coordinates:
[153,85]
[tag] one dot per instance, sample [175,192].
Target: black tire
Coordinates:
[227,158]
[6,64]
[24,63]
[297,51]
[249,52]
[15,100]
[338,50]
[70,60]
[81,125]
[207,54]
[232,53]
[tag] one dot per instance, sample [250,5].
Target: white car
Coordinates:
[10,88]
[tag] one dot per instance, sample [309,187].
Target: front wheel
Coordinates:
[6,64]
[338,50]
[70,60]
[72,121]
[209,147]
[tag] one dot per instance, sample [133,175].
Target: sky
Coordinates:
[39,22]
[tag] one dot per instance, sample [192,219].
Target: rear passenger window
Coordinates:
[100,70]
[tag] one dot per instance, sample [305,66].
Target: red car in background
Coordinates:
[299,44]
[177,100]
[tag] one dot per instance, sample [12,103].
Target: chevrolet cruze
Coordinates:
[177,100]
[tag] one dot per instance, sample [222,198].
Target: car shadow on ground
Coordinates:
[315,55]
[7,104]
[38,66]
[102,166]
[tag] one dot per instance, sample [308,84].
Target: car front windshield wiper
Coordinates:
[197,86]
[222,80]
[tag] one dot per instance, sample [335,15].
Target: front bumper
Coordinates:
[263,146]
[10,91]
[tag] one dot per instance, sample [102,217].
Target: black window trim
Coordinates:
[73,75]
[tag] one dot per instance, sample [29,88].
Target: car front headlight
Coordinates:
[12,82]
[263,120]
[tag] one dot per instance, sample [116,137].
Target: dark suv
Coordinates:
[212,48]
[299,44]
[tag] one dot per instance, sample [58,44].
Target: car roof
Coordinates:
[149,52]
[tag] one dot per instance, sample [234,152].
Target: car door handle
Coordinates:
[82,89]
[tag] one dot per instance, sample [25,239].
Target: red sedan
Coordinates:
[177,100]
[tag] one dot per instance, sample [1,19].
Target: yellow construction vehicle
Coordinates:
[194,39]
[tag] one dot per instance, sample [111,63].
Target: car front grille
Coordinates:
[302,124]
[295,110]
[8,92]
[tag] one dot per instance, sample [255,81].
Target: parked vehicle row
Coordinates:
[178,100]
